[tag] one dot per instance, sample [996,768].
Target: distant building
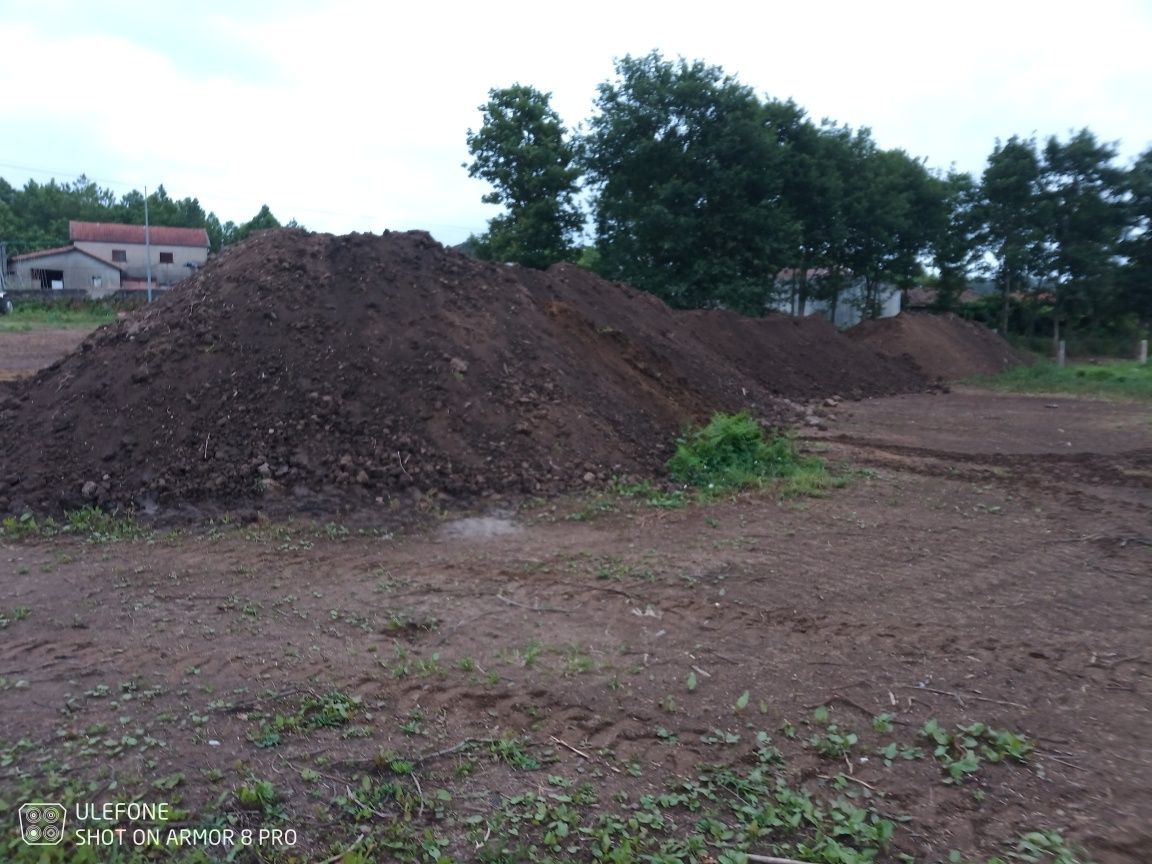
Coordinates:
[63,268]
[105,257]
[849,306]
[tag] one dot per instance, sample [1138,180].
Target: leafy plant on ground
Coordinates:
[91,523]
[1045,847]
[316,712]
[713,816]
[1034,847]
[832,741]
[962,751]
[18,613]
[259,795]
[732,452]
[513,751]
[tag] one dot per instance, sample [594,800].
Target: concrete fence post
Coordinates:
[1143,352]
[1061,354]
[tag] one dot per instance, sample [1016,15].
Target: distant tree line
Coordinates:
[36,216]
[702,192]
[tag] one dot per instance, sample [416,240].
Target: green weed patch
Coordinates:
[1118,379]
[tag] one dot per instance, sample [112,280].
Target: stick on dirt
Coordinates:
[512,602]
[962,696]
[768,859]
[341,855]
[580,753]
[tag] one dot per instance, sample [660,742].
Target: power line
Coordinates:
[54,174]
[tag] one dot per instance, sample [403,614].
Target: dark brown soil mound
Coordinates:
[314,372]
[943,346]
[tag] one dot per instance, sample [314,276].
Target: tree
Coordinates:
[686,171]
[1084,220]
[954,236]
[1011,214]
[812,185]
[890,208]
[219,234]
[1135,284]
[162,210]
[522,149]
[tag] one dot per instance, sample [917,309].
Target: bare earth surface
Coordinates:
[989,561]
[22,353]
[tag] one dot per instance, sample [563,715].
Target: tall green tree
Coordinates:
[955,235]
[523,150]
[1134,296]
[220,234]
[890,208]
[816,171]
[1012,215]
[1084,219]
[262,221]
[686,173]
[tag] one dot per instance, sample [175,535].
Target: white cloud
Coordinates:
[352,116]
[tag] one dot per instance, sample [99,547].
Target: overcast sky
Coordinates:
[352,116]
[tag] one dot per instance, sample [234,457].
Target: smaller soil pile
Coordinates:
[943,346]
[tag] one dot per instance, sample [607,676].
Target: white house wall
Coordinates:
[80,273]
[134,265]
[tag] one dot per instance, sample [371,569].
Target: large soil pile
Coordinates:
[943,346]
[314,372]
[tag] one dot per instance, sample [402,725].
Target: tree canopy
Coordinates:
[687,186]
[707,194]
[523,150]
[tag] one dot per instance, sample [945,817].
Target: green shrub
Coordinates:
[732,452]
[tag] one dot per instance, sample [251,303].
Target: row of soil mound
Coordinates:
[942,346]
[320,373]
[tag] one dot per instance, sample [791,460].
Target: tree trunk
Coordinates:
[801,289]
[871,299]
[1004,305]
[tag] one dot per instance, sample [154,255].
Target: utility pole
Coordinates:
[147,247]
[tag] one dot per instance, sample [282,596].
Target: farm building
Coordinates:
[65,268]
[175,252]
[106,257]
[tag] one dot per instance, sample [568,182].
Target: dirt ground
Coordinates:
[588,676]
[22,353]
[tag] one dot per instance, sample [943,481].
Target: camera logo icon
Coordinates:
[42,823]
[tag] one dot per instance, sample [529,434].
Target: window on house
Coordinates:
[119,255]
[165,257]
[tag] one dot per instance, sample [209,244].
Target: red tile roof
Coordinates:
[158,235]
